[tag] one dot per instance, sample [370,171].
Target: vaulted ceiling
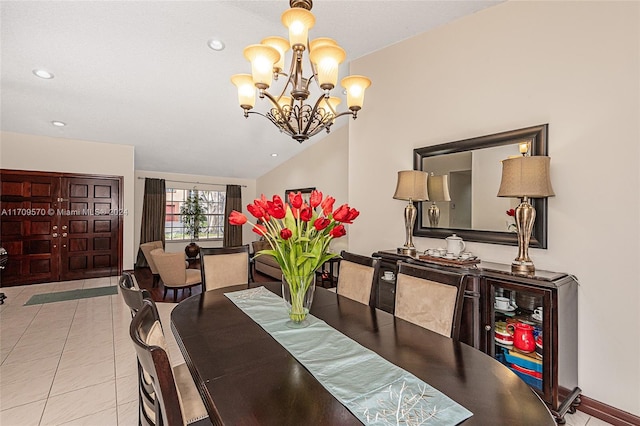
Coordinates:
[141,73]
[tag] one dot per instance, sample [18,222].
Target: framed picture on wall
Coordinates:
[306,193]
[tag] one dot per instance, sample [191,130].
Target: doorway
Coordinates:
[60,226]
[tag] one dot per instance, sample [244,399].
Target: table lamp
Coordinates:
[412,186]
[438,190]
[525,177]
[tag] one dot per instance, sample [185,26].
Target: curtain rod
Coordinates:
[197,183]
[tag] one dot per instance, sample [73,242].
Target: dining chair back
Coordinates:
[147,248]
[357,276]
[177,399]
[224,266]
[430,298]
[173,271]
[132,294]
[133,297]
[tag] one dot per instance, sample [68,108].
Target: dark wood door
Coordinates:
[89,228]
[28,228]
[59,227]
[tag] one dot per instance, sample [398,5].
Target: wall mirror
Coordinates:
[472,171]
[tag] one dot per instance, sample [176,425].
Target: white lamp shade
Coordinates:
[299,21]
[263,58]
[327,59]
[281,45]
[246,90]
[412,185]
[355,85]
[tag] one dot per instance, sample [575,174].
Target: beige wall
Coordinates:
[40,153]
[573,65]
[183,181]
[323,166]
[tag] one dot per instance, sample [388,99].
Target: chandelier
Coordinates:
[288,109]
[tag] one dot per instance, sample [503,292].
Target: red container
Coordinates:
[522,336]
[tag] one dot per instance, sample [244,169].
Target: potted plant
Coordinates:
[194,220]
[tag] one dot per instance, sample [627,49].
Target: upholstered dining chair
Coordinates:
[430,298]
[147,248]
[357,276]
[224,266]
[133,297]
[177,401]
[174,273]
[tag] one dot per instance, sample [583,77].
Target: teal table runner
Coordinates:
[376,391]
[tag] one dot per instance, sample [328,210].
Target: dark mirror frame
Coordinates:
[539,146]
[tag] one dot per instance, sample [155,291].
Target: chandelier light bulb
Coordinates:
[327,59]
[321,41]
[355,85]
[246,90]
[281,45]
[299,21]
[262,58]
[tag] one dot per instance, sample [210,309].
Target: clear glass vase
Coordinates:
[297,292]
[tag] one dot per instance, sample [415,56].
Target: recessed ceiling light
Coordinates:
[274,155]
[38,72]
[216,44]
[58,123]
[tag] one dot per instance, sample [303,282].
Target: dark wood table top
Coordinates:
[247,378]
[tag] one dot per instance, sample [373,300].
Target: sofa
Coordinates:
[265,264]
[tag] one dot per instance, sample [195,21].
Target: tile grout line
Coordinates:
[46,402]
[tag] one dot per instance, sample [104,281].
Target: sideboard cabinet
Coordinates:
[547,303]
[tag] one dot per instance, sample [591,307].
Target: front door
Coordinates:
[58,227]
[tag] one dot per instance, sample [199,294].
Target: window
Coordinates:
[213,212]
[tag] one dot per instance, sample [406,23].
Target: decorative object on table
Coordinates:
[299,237]
[194,220]
[525,177]
[291,114]
[455,245]
[438,190]
[411,186]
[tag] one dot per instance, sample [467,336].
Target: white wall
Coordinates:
[40,153]
[324,166]
[574,65]
[183,181]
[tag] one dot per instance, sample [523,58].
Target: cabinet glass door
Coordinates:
[518,339]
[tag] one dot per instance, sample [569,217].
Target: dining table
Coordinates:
[246,377]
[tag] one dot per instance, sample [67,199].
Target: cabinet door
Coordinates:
[520,333]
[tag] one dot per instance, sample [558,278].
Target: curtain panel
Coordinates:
[153,215]
[232,233]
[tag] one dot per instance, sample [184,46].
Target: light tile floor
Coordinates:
[69,363]
[72,363]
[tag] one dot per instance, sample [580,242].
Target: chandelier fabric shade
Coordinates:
[288,108]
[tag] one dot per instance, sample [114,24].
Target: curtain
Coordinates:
[232,233]
[153,215]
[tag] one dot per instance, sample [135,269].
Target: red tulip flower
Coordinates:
[338,231]
[286,233]
[321,223]
[315,199]
[255,211]
[327,205]
[259,229]
[306,213]
[237,218]
[511,212]
[295,199]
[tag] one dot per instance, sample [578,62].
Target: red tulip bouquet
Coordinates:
[299,235]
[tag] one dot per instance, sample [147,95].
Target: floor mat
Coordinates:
[61,296]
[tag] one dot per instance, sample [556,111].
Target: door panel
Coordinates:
[59,227]
[90,232]
[28,225]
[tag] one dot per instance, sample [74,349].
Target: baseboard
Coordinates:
[603,411]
